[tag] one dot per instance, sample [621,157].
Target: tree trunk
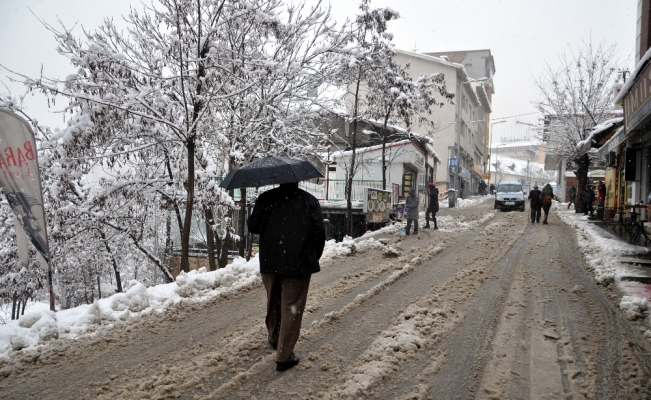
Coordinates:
[241,245]
[14,314]
[99,288]
[210,238]
[351,172]
[384,157]
[118,280]
[22,312]
[223,252]
[583,163]
[187,223]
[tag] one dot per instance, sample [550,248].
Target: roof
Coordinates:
[518,165]
[634,75]
[599,132]
[459,67]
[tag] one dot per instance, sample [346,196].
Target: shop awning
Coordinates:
[611,145]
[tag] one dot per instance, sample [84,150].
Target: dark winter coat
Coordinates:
[433,200]
[412,204]
[292,234]
[572,193]
[547,195]
[587,196]
[535,198]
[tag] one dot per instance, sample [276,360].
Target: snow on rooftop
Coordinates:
[520,165]
[586,144]
[631,81]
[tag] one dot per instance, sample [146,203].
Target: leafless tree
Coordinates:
[574,97]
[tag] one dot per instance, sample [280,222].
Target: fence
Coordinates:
[336,189]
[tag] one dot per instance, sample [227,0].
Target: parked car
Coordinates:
[509,196]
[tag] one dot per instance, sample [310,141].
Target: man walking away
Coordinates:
[492,187]
[433,206]
[412,211]
[546,198]
[572,194]
[292,237]
[587,197]
[535,204]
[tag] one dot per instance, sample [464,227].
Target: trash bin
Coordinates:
[452,198]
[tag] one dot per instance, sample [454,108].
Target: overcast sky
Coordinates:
[522,35]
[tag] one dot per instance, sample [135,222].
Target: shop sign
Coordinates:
[377,201]
[407,183]
[637,103]
[419,159]
[453,163]
[464,173]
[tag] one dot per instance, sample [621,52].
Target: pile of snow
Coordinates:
[599,247]
[633,306]
[350,246]
[42,325]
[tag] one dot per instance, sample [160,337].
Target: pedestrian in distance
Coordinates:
[433,206]
[492,187]
[546,200]
[292,237]
[588,197]
[572,194]
[412,211]
[535,204]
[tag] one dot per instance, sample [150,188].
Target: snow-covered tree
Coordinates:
[393,97]
[367,54]
[575,97]
[166,107]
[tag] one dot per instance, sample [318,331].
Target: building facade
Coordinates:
[461,136]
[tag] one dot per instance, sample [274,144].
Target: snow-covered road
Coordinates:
[486,307]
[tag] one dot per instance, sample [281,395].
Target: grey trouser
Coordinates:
[535,214]
[286,297]
[409,222]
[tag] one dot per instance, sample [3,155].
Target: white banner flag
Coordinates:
[20,180]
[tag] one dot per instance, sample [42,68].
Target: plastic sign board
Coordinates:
[453,163]
[21,183]
[378,203]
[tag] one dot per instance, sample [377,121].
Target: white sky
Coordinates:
[522,35]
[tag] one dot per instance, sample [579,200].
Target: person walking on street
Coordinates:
[535,204]
[433,206]
[492,187]
[572,194]
[412,211]
[587,197]
[292,237]
[546,199]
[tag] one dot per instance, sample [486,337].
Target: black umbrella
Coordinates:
[270,171]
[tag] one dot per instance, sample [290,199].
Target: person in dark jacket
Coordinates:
[535,204]
[492,187]
[412,211]
[292,238]
[572,194]
[433,206]
[546,198]
[587,197]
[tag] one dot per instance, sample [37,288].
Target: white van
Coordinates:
[509,195]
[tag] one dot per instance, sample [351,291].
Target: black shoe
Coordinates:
[426,227]
[436,227]
[273,345]
[285,365]
[415,232]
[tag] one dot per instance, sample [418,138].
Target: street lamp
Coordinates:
[490,149]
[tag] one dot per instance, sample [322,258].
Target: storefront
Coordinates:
[635,98]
